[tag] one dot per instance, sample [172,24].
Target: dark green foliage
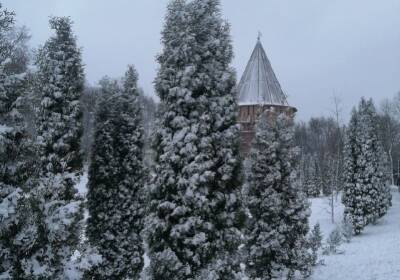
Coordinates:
[312,181]
[276,233]
[366,195]
[61,80]
[48,225]
[116,178]
[196,214]
[18,172]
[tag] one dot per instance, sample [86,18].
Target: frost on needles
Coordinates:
[116,179]
[279,212]
[196,214]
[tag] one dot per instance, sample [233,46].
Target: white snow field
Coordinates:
[81,187]
[374,255]
[4,128]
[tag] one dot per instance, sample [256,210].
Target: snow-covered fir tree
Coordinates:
[312,182]
[193,231]
[17,152]
[352,196]
[373,163]
[16,141]
[51,234]
[116,179]
[18,177]
[276,232]
[61,79]
[365,194]
[33,227]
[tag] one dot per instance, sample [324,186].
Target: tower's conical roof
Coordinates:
[259,84]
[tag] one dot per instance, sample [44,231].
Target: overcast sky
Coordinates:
[317,48]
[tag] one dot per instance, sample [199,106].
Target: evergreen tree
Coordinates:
[366,196]
[373,163]
[61,79]
[17,152]
[315,242]
[35,231]
[18,178]
[16,148]
[51,235]
[194,227]
[116,179]
[353,192]
[312,180]
[276,237]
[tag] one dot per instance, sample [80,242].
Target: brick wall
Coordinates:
[248,115]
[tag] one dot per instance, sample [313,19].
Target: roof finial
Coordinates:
[259,36]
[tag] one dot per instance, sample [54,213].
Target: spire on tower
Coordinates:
[259,84]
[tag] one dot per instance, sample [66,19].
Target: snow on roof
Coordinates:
[259,84]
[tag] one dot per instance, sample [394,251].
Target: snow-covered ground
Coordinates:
[374,255]
[321,213]
[4,128]
[82,184]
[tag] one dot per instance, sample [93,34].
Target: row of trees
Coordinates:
[196,215]
[191,214]
[188,211]
[321,141]
[321,165]
[328,166]
[42,151]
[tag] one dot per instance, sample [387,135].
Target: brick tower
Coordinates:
[258,91]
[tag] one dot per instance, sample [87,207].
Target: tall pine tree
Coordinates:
[61,79]
[18,179]
[116,179]
[17,153]
[365,194]
[196,215]
[277,229]
[54,234]
[312,182]
[352,196]
[373,163]
[17,147]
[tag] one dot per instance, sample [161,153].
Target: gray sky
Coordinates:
[316,47]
